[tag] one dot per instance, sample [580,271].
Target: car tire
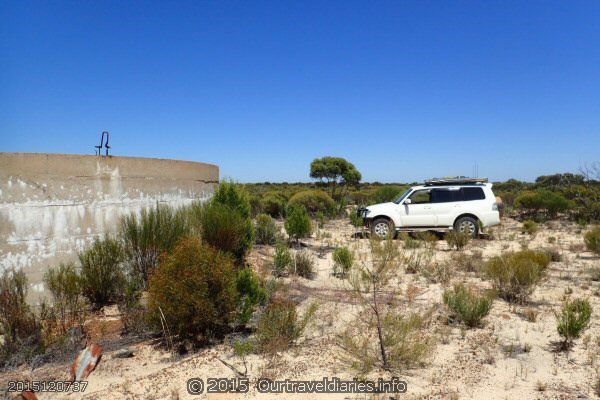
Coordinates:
[468,225]
[382,228]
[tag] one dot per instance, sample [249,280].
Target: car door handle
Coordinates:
[426,207]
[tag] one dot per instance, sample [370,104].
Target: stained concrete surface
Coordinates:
[54,205]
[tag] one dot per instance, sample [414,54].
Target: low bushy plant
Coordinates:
[192,294]
[282,259]
[343,259]
[279,325]
[592,240]
[147,235]
[467,306]
[313,201]
[250,294]
[64,285]
[529,227]
[297,223]
[19,327]
[274,204]
[226,229]
[573,319]
[542,200]
[457,240]
[303,264]
[515,274]
[265,229]
[102,275]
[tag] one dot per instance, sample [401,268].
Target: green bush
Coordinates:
[19,327]
[265,230]
[387,193]
[282,260]
[515,275]
[147,236]
[274,204]
[193,292]
[102,276]
[226,229]
[313,201]
[529,227]
[279,326]
[592,240]
[234,196]
[303,265]
[542,200]
[343,259]
[466,306]
[355,219]
[457,240]
[64,285]
[573,319]
[297,223]
[250,294]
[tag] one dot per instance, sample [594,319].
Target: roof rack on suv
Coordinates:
[459,180]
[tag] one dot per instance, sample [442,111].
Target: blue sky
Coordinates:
[405,90]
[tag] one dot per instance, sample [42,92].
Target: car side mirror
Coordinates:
[407,201]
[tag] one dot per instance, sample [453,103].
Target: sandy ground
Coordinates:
[508,358]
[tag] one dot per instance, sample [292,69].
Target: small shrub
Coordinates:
[554,254]
[429,238]
[64,284]
[457,240]
[282,260]
[102,276]
[355,219]
[297,223]
[592,240]
[226,229]
[343,259]
[193,292]
[233,196]
[313,201]
[437,272]
[250,294]
[19,327]
[529,227]
[468,263]
[279,325]
[265,230]
[468,307]
[146,236]
[573,319]
[274,204]
[515,275]
[409,242]
[303,265]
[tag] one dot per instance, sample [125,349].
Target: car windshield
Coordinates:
[402,197]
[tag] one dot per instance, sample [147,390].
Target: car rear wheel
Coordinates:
[382,228]
[467,225]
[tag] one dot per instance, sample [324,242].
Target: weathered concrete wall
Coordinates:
[53,205]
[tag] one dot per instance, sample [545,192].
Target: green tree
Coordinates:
[335,172]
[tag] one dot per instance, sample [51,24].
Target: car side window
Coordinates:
[473,193]
[441,196]
[421,197]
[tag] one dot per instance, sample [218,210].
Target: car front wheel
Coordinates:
[382,228]
[467,225]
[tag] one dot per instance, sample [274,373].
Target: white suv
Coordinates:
[465,205]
